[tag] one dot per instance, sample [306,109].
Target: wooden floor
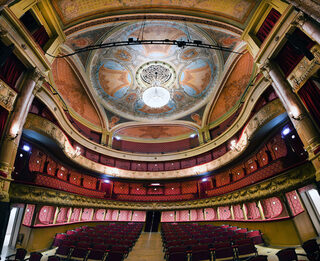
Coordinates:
[147,248]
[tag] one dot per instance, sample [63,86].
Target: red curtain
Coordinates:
[288,58]
[310,95]
[41,36]
[268,24]
[11,70]
[3,119]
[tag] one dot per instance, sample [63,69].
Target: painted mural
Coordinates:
[71,10]
[234,87]
[155,131]
[72,91]
[121,75]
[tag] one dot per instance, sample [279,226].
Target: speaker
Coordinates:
[299,45]
[5,52]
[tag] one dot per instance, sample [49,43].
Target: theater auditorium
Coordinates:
[176,130]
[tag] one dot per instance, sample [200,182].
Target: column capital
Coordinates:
[265,69]
[300,19]
[35,74]
[3,31]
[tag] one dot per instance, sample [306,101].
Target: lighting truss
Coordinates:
[131,41]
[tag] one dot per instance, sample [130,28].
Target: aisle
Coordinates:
[147,248]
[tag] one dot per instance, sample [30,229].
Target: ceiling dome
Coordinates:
[155,82]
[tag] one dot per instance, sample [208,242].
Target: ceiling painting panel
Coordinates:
[234,87]
[233,10]
[155,132]
[70,88]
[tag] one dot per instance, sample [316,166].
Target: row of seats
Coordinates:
[103,242]
[202,242]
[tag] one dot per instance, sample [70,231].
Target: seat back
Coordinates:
[20,254]
[287,254]
[35,256]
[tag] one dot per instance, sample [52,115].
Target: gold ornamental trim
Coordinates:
[7,96]
[266,114]
[290,180]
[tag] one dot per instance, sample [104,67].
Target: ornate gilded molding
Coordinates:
[267,113]
[7,96]
[288,181]
[305,69]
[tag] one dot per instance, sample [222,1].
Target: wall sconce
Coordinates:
[295,113]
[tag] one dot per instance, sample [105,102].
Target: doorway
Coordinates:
[152,221]
[311,200]
[13,226]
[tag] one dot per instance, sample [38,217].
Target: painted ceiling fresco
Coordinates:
[155,131]
[121,75]
[71,89]
[76,10]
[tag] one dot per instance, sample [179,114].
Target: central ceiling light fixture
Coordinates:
[156,96]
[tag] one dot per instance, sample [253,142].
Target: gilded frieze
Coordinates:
[288,181]
[7,96]
[267,113]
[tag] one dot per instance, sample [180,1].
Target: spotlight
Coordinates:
[193,135]
[26,147]
[106,181]
[285,131]
[117,137]
[204,179]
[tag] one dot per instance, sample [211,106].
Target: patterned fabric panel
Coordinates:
[37,160]
[210,213]
[89,182]
[122,164]
[172,165]
[238,213]
[182,215]
[294,202]
[189,187]
[105,160]
[154,197]
[51,167]
[262,156]
[139,166]
[99,214]
[269,171]
[251,165]
[204,158]
[253,211]
[91,155]
[62,172]
[125,215]
[75,178]
[139,216]
[172,189]
[219,151]
[155,191]
[167,216]
[277,147]
[200,214]
[222,179]
[156,166]
[87,214]
[115,215]
[193,215]
[238,172]
[137,189]
[46,215]
[187,163]
[120,188]
[108,216]
[28,214]
[63,215]
[51,182]
[75,215]
[224,213]
[272,207]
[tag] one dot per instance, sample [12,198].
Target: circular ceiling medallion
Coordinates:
[155,82]
[156,97]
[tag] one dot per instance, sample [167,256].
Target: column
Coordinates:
[11,141]
[309,27]
[295,109]
[310,7]
[259,205]
[4,3]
